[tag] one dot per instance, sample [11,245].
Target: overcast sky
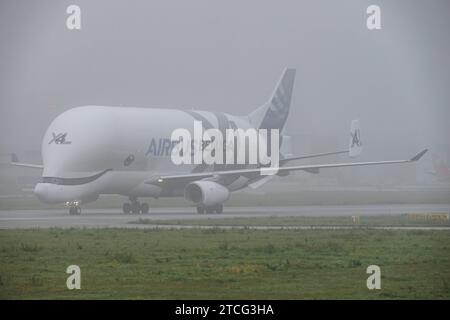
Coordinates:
[228,55]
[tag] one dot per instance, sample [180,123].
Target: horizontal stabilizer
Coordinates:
[15,162]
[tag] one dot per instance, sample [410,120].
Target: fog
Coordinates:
[227,56]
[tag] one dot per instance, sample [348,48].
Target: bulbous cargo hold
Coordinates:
[79,142]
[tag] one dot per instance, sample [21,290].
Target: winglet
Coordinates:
[355,144]
[418,156]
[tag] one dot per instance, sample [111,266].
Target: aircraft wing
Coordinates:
[255,172]
[314,155]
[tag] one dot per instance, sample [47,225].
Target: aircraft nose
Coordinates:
[41,191]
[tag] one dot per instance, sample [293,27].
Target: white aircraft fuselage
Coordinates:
[114,150]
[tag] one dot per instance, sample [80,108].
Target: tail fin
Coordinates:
[273,114]
[355,144]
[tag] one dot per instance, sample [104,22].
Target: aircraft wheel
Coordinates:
[74,210]
[219,208]
[126,208]
[200,210]
[135,207]
[145,208]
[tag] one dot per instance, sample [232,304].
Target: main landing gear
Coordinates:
[135,207]
[217,209]
[74,207]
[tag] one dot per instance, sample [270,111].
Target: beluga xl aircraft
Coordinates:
[89,151]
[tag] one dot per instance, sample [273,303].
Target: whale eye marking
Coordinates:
[129,160]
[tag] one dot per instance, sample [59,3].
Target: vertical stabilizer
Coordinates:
[273,114]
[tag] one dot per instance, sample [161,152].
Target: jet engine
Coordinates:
[206,193]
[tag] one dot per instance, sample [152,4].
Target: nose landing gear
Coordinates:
[135,207]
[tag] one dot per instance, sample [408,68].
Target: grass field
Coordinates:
[422,220]
[224,264]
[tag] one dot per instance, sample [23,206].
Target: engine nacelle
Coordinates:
[206,193]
